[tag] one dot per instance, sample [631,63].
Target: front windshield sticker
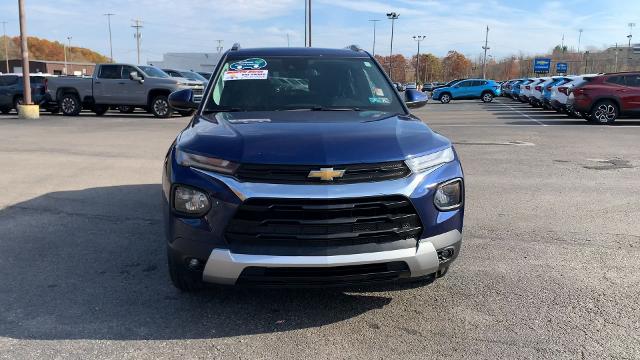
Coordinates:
[379,100]
[245,75]
[249,64]
[378,92]
[367,64]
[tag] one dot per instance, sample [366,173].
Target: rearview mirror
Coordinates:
[136,77]
[415,99]
[183,100]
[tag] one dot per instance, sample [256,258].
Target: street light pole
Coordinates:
[418,38]
[109,15]
[485,47]
[393,17]
[25,54]
[631,26]
[374,21]
[66,71]
[6,45]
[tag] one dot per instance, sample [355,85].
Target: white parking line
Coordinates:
[523,114]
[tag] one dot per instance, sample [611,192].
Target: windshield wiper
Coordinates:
[320,108]
[221,109]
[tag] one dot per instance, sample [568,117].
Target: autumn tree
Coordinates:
[456,65]
[42,49]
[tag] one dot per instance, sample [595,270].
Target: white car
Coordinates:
[535,95]
[560,93]
[525,89]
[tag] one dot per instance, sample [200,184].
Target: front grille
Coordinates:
[323,276]
[299,174]
[323,226]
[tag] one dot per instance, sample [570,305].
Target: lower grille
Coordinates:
[322,227]
[323,276]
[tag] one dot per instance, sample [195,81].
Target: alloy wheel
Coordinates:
[605,113]
[161,107]
[68,105]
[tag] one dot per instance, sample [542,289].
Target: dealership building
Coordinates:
[188,61]
[49,67]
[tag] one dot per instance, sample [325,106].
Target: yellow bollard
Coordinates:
[29,112]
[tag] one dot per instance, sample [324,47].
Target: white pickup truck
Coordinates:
[120,85]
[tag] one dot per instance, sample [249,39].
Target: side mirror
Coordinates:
[183,99]
[400,87]
[136,77]
[415,99]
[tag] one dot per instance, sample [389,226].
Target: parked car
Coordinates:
[485,90]
[603,99]
[535,95]
[427,87]
[319,196]
[560,96]
[186,74]
[548,89]
[12,91]
[412,86]
[516,88]
[449,84]
[206,75]
[120,84]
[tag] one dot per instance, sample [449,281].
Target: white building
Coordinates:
[188,61]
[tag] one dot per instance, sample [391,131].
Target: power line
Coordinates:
[137,35]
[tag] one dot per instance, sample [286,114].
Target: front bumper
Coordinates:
[204,238]
[225,267]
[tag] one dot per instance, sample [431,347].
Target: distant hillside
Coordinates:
[42,49]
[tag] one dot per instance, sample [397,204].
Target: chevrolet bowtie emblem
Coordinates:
[326,174]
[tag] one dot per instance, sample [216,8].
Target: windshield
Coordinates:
[193,76]
[153,71]
[302,83]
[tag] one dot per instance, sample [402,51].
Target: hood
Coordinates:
[310,137]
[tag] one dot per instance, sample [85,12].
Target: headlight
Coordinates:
[205,162]
[449,195]
[189,200]
[430,161]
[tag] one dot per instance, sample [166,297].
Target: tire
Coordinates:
[160,107]
[17,101]
[183,279]
[604,112]
[126,109]
[186,112]
[100,109]
[487,97]
[70,105]
[445,98]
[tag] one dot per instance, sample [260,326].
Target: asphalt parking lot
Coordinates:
[550,264]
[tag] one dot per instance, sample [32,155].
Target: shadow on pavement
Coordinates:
[90,264]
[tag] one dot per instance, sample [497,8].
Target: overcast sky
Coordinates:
[194,25]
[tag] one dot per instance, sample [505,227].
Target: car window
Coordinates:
[464,84]
[301,82]
[632,80]
[618,80]
[153,71]
[127,70]
[110,72]
[8,80]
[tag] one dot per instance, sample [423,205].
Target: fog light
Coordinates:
[446,254]
[190,201]
[193,263]
[449,195]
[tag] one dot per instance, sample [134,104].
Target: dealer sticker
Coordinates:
[249,64]
[245,75]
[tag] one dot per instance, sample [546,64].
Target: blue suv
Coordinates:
[325,178]
[485,90]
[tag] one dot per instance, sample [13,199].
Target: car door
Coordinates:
[461,89]
[132,91]
[107,84]
[6,95]
[631,93]
[476,88]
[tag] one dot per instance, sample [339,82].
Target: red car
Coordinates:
[602,99]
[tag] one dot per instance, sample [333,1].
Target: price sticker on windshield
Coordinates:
[245,75]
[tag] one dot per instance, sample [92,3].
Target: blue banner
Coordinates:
[541,65]
[562,68]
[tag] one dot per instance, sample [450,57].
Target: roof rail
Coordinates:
[235,47]
[354,48]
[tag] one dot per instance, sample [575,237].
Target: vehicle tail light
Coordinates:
[549,88]
[578,91]
[528,87]
[564,90]
[538,88]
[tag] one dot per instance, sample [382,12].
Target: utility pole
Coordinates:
[374,21]
[586,58]
[393,17]
[307,23]
[485,47]
[25,54]
[631,26]
[219,48]
[579,39]
[6,45]
[137,26]
[109,15]
[616,68]
[418,38]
